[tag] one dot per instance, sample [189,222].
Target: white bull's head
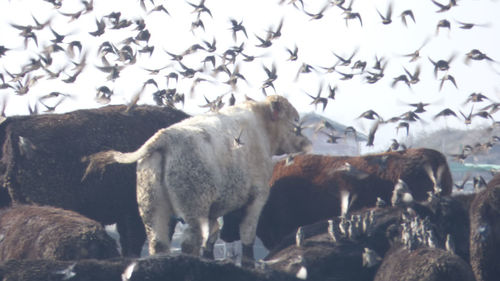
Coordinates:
[280,118]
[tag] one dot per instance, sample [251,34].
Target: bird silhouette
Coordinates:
[447,77]
[407,13]
[470,25]
[319,14]
[293,53]
[442,7]
[101,26]
[445,113]
[442,65]
[318,99]
[237,26]
[444,23]
[387,19]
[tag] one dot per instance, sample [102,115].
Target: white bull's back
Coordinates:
[203,158]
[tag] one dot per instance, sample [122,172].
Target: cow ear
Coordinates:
[276,109]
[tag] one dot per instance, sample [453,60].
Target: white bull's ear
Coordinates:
[276,108]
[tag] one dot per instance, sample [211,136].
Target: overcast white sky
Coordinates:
[316,40]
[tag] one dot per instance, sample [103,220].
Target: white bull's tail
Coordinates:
[99,161]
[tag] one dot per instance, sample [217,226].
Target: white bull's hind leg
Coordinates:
[208,250]
[248,230]
[195,236]
[154,205]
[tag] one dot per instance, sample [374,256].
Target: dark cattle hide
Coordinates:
[485,232]
[44,270]
[310,189]
[186,267]
[423,264]
[41,163]
[36,232]
[178,268]
[325,259]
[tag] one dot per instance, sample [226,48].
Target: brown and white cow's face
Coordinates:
[282,128]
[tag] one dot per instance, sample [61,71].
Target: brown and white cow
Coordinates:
[314,187]
[208,165]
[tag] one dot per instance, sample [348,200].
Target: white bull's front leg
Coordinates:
[248,228]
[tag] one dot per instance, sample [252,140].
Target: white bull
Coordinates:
[196,170]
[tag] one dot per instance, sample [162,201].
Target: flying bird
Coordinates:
[237,26]
[407,13]
[387,19]
[101,26]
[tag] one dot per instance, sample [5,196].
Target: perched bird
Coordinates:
[464,181]
[401,195]
[394,145]
[67,273]
[349,170]
[332,232]
[299,237]
[370,258]
[449,244]
[479,183]
[380,203]
[103,95]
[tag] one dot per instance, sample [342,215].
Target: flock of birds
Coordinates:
[414,233]
[117,43]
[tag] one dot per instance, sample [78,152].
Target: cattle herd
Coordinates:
[386,216]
